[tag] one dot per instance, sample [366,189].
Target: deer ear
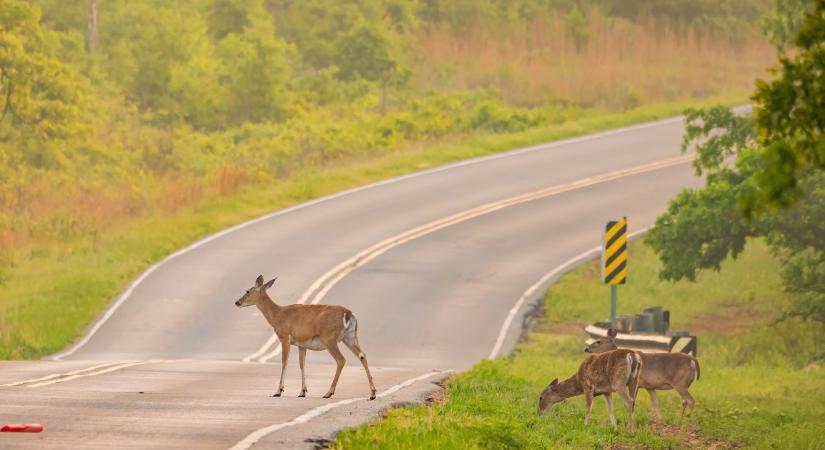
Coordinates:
[554,382]
[270,283]
[612,332]
[259,281]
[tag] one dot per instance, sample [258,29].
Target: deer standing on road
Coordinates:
[313,327]
[662,371]
[616,371]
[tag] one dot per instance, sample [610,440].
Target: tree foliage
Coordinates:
[38,93]
[790,113]
[765,178]
[783,21]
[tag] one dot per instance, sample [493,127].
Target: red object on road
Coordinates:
[23,427]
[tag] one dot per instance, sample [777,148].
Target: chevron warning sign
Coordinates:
[614,269]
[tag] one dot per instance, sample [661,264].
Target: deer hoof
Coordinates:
[328,395]
[277,394]
[302,394]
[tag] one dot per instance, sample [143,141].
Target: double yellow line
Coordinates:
[316,292]
[99,369]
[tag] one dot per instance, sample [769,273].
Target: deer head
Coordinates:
[256,293]
[603,345]
[557,391]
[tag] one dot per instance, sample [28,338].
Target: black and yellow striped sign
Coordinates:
[615,252]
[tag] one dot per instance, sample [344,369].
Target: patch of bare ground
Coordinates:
[436,397]
[559,327]
[690,439]
[439,396]
[729,321]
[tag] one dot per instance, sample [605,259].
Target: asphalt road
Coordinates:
[444,256]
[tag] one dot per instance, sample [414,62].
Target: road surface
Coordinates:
[431,264]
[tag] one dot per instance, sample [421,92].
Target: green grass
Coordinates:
[47,300]
[757,389]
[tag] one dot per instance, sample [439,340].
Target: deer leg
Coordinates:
[284,360]
[655,403]
[588,402]
[609,399]
[356,349]
[302,356]
[340,360]
[628,404]
[687,400]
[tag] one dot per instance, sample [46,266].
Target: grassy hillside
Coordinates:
[761,384]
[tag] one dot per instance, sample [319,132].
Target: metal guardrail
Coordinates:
[648,342]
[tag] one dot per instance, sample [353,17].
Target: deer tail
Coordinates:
[634,369]
[350,323]
[694,364]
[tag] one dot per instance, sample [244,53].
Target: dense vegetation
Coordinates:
[765,177]
[159,105]
[760,385]
[130,128]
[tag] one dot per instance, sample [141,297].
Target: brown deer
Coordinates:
[617,371]
[313,327]
[662,371]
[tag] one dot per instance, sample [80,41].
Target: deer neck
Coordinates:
[270,310]
[570,387]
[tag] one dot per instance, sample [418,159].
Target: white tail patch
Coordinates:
[695,372]
[630,370]
[352,324]
[634,363]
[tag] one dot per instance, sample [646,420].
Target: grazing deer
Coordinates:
[313,327]
[662,371]
[617,371]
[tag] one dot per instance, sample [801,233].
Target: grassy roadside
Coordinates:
[47,300]
[759,388]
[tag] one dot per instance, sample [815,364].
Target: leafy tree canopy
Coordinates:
[764,178]
[38,93]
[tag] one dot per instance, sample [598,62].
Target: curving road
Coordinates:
[430,263]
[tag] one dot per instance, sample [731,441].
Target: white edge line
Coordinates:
[260,433]
[111,310]
[581,257]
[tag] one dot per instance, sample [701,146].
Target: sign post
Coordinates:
[614,260]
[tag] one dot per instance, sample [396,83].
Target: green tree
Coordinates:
[783,21]
[790,114]
[142,42]
[227,16]
[776,187]
[365,53]
[576,25]
[256,70]
[38,93]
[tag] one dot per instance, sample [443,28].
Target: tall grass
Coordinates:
[610,63]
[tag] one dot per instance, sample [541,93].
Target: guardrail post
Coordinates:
[613,298]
